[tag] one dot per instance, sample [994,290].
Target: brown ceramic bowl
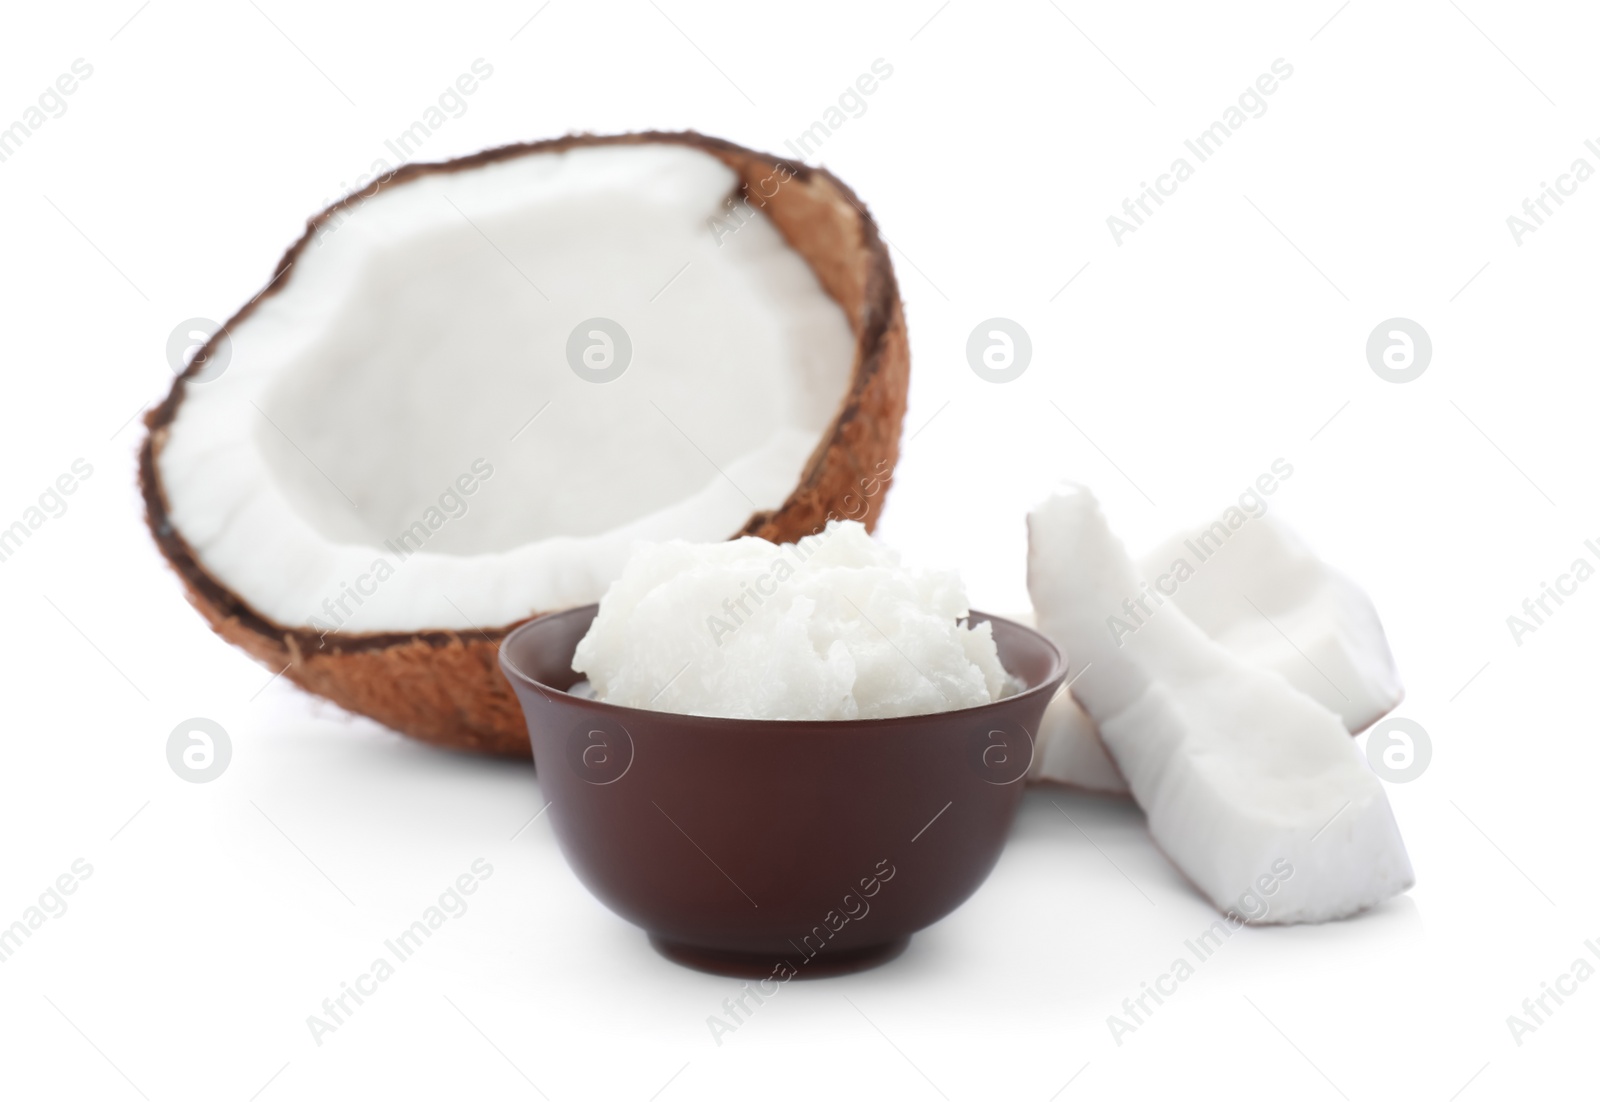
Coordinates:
[770,847]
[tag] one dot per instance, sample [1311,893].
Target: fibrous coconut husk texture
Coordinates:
[445,687]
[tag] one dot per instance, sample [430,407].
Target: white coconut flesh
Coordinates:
[1265,596]
[1239,773]
[420,340]
[1068,749]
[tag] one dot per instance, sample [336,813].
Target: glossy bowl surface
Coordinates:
[777,848]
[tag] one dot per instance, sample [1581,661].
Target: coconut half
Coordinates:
[470,388]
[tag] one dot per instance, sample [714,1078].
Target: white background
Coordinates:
[1228,331]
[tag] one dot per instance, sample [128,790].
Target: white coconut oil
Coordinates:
[831,627]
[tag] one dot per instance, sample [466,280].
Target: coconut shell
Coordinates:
[445,687]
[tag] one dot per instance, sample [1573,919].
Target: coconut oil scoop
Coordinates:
[831,627]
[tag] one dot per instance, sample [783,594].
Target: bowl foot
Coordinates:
[762,965]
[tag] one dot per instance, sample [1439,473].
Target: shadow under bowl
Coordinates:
[770,847]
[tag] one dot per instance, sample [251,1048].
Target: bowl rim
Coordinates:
[1050,684]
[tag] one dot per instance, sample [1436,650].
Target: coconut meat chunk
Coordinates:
[407,398]
[1267,597]
[1247,783]
[1068,749]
